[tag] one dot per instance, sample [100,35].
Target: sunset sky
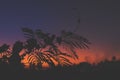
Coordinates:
[100,21]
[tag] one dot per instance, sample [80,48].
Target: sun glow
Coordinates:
[90,56]
[84,56]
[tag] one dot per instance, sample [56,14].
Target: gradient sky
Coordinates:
[100,20]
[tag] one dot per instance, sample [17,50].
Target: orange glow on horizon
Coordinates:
[84,56]
[90,55]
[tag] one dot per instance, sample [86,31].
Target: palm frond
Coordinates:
[40,34]
[28,33]
[74,53]
[51,52]
[65,61]
[74,40]
[50,61]
[71,41]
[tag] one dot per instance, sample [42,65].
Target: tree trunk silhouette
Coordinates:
[15,59]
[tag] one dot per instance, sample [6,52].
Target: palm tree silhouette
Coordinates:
[48,45]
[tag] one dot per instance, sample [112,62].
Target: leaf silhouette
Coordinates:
[28,33]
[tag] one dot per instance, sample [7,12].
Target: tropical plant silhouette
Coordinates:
[4,47]
[45,47]
[15,59]
[4,53]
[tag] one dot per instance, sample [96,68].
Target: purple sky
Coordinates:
[100,20]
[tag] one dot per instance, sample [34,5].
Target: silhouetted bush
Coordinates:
[104,69]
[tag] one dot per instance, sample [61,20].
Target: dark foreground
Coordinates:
[106,70]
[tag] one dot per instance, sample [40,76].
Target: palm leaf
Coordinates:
[75,40]
[50,61]
[66,54]
[71,41]
[28,33]
[65,61]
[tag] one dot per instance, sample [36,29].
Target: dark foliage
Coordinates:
[109,70]
[15,59]
[48,45]
[4,47]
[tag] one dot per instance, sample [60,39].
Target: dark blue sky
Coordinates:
[100,19]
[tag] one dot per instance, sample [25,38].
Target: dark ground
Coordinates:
[105,70]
